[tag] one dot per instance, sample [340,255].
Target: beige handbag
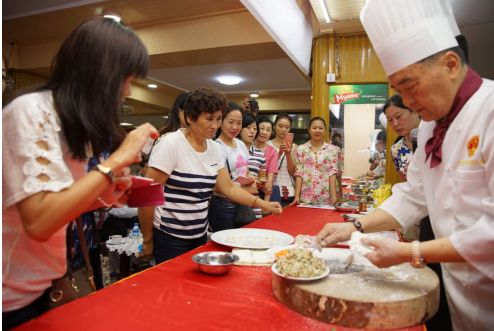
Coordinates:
[75,284]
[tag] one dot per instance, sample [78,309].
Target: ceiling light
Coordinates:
[126,124]
[152,85]
[325,11]
[114,17]
[229,80]
[254,95]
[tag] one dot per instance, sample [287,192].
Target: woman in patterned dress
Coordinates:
[317,167]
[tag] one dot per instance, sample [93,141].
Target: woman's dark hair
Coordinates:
[203,100]
[381,136]
[247,119]
[317,118]
[232,106]
[87,77]
[283,116]
[396,101]
[173,122]
[264,119]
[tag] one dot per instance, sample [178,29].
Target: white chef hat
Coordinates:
[451,17]
[404,32]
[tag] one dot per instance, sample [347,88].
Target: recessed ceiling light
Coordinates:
[254,95]
[229,80]
[126,124]
[152,85]
[114,17]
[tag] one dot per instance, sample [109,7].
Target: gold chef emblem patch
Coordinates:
[472,145]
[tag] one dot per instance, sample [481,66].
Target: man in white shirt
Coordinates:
[451,175]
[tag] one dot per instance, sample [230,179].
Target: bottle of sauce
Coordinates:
[362,203]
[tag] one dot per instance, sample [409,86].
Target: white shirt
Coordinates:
[29,266]
[458,195]
[236,160]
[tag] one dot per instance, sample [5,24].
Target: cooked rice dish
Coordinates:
[300,263]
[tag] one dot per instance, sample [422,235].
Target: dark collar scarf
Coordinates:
[433,149]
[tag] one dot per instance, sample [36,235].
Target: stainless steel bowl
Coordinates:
[215,263]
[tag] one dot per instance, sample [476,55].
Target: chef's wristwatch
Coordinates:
[417,259]
[358,225]
[105,171]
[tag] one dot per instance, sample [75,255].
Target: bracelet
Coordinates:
[104,203]
[255,200]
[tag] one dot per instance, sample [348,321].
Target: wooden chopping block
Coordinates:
[396,297]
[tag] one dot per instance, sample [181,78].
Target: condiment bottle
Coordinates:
[362,203]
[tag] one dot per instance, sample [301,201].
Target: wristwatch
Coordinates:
[105,171]
[417,259]
[356,223]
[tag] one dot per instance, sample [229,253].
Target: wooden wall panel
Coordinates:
[356,61]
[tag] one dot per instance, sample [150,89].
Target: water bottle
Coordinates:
[135,233]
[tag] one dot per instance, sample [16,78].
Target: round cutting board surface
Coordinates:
[368,297]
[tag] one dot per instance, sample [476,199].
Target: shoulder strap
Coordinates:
[229,170]
[85,252]
[280,162]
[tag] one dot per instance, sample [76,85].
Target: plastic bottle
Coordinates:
[135,233]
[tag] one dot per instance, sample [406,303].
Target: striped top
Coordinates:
[192,177]
[257,161]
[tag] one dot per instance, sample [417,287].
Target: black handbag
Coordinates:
[244,215]
[74,284]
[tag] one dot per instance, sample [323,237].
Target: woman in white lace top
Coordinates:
[48,136]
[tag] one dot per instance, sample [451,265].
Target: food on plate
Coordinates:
[300,263]
[281,253]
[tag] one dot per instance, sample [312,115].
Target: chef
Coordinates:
[451,176]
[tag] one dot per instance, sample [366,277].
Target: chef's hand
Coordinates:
[333,233]
[388,252]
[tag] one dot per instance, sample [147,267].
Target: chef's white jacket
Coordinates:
[458,195]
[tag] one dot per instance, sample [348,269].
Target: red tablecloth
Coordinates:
[176,296]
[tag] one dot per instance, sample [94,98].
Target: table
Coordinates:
[174,295]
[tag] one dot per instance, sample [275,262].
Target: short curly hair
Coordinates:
[203,100]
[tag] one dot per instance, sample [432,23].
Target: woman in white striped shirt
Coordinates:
[190,165]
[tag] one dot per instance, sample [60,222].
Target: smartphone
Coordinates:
[289,138]
[138,182]
[147,196]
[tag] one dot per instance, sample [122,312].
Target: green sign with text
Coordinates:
[358,94]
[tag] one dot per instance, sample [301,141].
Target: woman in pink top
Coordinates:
[52,132]
[261,142]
